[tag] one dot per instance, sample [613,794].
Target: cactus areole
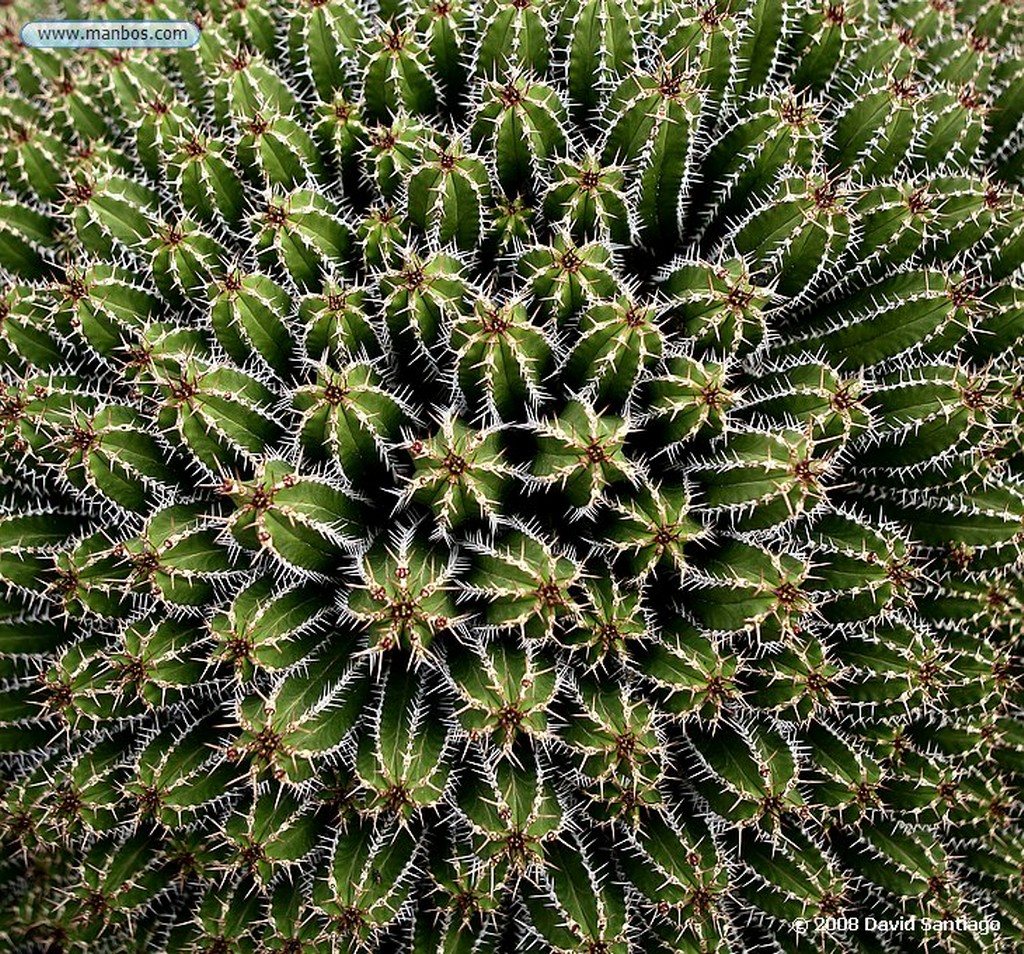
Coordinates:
[513,476]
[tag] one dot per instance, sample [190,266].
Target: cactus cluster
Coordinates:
[514,475]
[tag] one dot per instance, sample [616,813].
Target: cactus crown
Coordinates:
[500,475]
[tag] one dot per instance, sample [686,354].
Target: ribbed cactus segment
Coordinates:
[394,149]
[208,184]
[521,123]
[246,318]
[652,527]
[444,27]
[617,743]
[405,596]
[617,342]
[761,479]
[581,453]
[351,416]
[29,333]
[447,194]
[266,629]
[798,236]
[513,813]
[705,38]
[321,37]
[246,84]
[397,76]
[159,123]
[563,277]
[527,585]
[760,45]
[401,765]
[309,710]
[336,324]
[601,40]
[34,154]
[513,476]
[586,910]
[114,211]
[186,260]
[653,123]
[675,866]
[717,305]
[501,357]
[768,136]
[422,296]
[113,452]
[106,305]
[278,150]
[942,407]
[513,36]
[304,521]
[303,231]
[879,125]
[824,37]
[591,198]
[460,474]
[864,569]
[222,414]
[745,586]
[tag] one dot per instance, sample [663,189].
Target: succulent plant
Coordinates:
[514,476]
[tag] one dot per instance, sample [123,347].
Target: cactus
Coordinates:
[514,476]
